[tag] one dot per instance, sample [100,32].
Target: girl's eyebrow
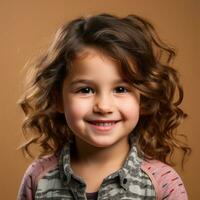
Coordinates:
[88,81]
[77,81]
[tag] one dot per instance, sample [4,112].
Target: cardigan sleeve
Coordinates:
[28,187]
[32,175]
[167,182]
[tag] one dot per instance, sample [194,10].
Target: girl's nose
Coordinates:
[103,105]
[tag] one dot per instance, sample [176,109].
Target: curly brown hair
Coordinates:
[132,41]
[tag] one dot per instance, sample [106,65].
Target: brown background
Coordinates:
[27,26]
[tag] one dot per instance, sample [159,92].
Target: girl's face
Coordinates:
[100,108]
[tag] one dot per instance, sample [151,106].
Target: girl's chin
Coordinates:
[101,144]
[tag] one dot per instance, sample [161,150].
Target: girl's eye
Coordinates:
[121,89]
[85,90]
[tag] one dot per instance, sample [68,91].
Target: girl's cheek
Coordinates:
[77,108]
[130,108]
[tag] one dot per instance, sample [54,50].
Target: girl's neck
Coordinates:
[87,154]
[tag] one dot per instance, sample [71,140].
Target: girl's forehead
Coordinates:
[97,62]
[96,65]
[92,59]
[91,52]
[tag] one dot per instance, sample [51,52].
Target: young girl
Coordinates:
[101,102]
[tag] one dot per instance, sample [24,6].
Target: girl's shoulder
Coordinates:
[41,166]
[167,183]
[34,172]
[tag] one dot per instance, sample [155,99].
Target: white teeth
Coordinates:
[104,124]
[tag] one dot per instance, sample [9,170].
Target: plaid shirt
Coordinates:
[52,178]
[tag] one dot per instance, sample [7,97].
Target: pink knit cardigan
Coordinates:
[166,181]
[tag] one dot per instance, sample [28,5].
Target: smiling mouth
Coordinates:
[107,123]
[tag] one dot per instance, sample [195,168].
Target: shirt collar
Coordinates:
[64,164]
[129,170]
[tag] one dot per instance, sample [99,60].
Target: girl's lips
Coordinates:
[98,127]
[103,121]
